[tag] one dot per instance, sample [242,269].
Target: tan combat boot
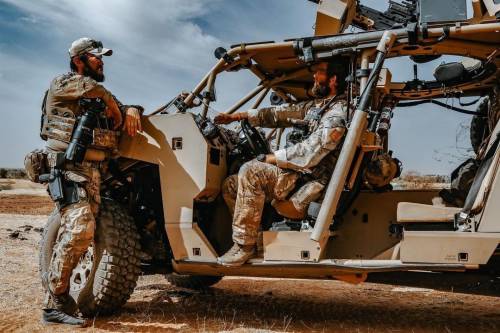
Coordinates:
[237,255]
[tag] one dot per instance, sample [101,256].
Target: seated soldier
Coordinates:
[272,177]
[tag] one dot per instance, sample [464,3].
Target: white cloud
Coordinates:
[159,31]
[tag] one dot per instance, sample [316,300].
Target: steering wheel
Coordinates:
[255,138]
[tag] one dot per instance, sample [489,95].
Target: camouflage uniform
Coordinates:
[315,157]
[77,219]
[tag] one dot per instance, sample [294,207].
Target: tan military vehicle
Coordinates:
[163,211]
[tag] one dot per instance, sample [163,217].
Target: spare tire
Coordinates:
[479,125]
[107,273]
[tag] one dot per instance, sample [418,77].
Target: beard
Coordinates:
[87,71]
[320,91]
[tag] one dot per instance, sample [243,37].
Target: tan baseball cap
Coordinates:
[88,45]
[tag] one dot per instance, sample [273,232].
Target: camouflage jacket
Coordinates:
[316,154]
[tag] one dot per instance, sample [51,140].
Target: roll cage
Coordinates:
[287,67]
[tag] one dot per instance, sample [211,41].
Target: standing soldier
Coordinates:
[79,140]
[272,177]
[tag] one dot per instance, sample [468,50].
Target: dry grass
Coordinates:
[12,173]
[413,180]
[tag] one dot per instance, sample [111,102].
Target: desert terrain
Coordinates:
[235,304]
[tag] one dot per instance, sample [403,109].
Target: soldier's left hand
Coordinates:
[132,122]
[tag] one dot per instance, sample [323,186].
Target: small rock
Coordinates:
[17,235]
[40,230]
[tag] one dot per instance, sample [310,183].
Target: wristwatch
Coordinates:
[261,157]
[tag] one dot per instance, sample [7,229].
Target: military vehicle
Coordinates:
[162,211]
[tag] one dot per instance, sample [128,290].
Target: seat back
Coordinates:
[476,197]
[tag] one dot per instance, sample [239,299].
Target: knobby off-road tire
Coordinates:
[479,125]
[107,273]
[195,282]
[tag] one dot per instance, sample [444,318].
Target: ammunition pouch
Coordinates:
[35,164]
[302,128]
[296,135]
[57,127]
[105,139]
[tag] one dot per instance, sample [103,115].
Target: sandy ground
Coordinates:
[234,304]
[21,187]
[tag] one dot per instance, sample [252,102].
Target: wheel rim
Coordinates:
[81,273]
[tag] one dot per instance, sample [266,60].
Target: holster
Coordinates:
[62,191]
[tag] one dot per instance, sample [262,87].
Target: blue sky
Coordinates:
[163,47]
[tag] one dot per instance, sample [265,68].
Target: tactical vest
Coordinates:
[309,124]
[59,126]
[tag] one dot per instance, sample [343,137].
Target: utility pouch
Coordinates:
[302,128]
[35,164]
[314,114]
[296,135]
[105,139]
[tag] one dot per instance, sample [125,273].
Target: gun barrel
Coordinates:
[350,40]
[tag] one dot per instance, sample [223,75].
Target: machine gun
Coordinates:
[397,14]
[334,16]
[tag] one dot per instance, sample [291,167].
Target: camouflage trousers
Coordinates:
[246,193]
[77,228]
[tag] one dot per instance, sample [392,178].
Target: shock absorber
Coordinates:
[386,114]
[384,123]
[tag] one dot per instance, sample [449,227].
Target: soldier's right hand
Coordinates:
[224,118]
